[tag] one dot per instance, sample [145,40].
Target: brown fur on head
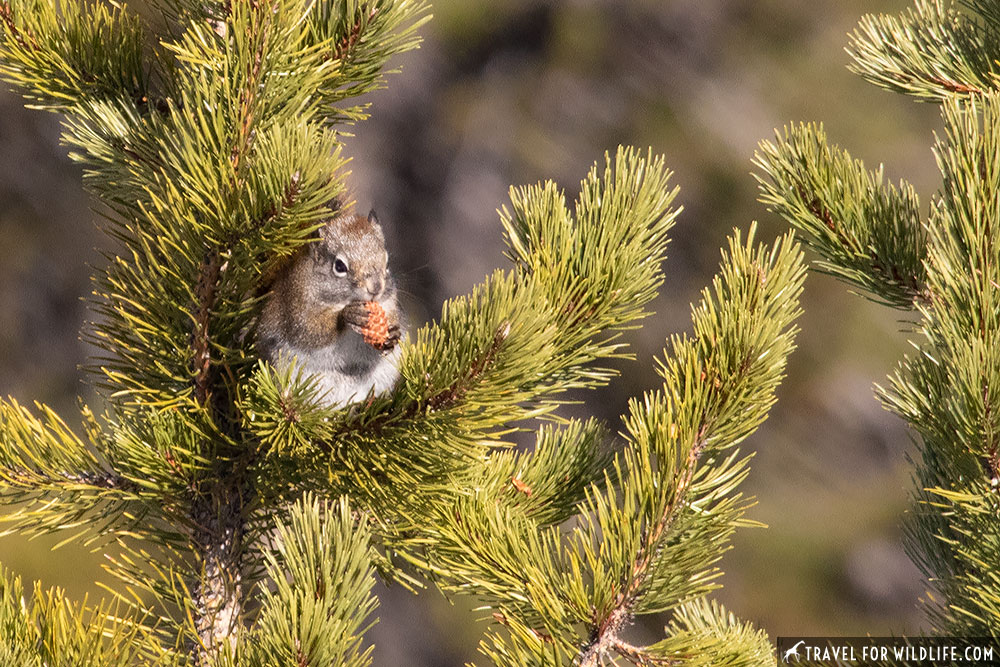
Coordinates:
[347,263]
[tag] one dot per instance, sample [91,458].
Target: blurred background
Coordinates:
[511,92]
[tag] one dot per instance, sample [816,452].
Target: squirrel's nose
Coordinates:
[374,285]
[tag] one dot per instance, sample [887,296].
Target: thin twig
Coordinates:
[955,86]
[639,657]
[208,279]
[461,386]
[7,18]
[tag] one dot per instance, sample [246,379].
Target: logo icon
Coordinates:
[794,651]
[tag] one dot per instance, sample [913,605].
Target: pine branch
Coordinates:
[317,613]
[342,32]
[58,478]
[648,536]
[606,626]
[72,54]
[549,483]
[25,39]
[500,354]
[704,634]
[950,391]
[930,52]
[869,233]
[48,630]
[731,400]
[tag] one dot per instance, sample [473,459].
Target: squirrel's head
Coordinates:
[349,261]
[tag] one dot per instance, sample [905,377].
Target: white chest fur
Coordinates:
[349,369]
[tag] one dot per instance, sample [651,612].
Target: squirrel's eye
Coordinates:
[340,267]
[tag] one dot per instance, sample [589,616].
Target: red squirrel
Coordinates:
[334,308]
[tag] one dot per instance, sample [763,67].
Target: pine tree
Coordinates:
[940,266]
[245,521]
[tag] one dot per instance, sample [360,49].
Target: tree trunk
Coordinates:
[218,539]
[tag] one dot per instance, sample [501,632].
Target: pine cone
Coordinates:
[369,319]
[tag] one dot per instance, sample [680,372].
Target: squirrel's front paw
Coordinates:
[356,314]
[369,319]
[391,339]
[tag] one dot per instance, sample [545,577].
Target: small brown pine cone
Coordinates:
[376,329]
[371,321]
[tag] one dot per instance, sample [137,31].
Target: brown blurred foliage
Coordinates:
[509,92]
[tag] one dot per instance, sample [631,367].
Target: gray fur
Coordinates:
[302,318]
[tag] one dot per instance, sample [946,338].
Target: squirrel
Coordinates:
[321,310]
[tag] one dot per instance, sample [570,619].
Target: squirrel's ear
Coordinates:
[319,235]
[372,217]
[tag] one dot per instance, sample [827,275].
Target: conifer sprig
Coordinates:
[61,54]
[868,232]
[55,477]
[649,535]
[344,29]
[948,389]
[930,52]
[323,577]
[49,630]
